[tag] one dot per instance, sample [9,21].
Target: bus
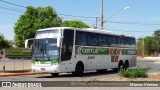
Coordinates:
[73,50]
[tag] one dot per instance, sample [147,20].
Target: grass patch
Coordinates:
[137,72]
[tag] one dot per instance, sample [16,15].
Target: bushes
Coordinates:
[134,72]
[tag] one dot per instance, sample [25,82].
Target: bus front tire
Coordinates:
[54,74]
[79,69]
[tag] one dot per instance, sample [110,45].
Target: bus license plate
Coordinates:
[43,69]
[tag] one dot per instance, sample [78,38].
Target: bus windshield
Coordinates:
[45,49]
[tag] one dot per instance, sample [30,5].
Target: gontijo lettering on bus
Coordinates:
[82,50]
[91,50]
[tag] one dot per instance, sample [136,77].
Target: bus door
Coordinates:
[66,51]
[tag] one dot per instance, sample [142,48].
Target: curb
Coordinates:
[20,74]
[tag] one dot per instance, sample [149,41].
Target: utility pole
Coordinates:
[96,22]
[143,48]
[101,15]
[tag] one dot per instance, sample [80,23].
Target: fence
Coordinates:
[14,59]
[15,64]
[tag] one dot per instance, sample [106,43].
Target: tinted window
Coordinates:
[113,41]
[93,39]
[81,38]
[104,40]
[133,42]
[127,42]
[118,38]
[122,42]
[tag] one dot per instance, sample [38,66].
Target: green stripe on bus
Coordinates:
[123,51]
[55,61]
[129,52]
[115,52]
[112,58]
[84,50]
[45,61]
[91,50]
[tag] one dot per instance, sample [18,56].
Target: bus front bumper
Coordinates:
[54,68]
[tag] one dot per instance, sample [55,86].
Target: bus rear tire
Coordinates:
[79,69]
[126,64]
[120,65]
[54,74]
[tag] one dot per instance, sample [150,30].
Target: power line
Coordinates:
[79,19]
[133,23]
[75,16]
[9,13]
[11,9]
[59,14]
[12,3]
[128,31]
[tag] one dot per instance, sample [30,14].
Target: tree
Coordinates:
[32,20]
[157,38]
[75,23]
[3,42]
[150,45]
[139,46]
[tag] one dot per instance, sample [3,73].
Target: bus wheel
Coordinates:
[102,71]
[126,64]
[54,74]
[79,69]
[120,65]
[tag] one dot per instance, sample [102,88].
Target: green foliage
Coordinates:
[157,35]
[75,23]
[151,44]
[139,46]
[3,42]
[134,73]
[32,20]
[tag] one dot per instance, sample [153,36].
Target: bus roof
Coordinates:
[86,30]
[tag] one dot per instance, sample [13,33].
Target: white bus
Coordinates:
[73,50]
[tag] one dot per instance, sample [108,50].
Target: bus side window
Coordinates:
[81,38]
[118,41]
[132,42]
[104,40]
[93,39]
[67,45]
[127,42]
[122,42]
[113,41]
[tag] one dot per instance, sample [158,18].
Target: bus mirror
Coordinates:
[58,42]
[28,43]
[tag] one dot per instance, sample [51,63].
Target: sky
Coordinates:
[141,19]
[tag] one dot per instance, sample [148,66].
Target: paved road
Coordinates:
[61,77]
[153,64]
